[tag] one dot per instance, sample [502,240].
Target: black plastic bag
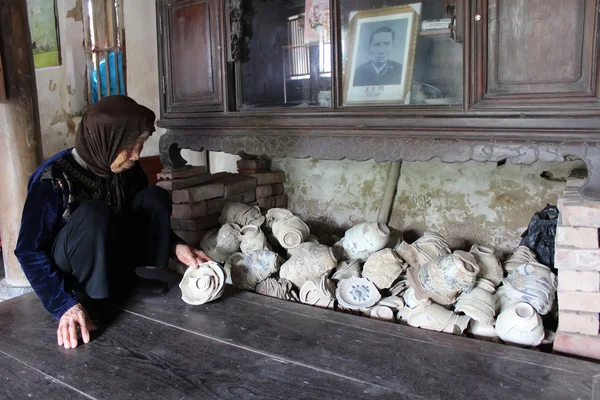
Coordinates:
[541,233]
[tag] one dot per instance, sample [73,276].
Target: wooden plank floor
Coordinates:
[249,346]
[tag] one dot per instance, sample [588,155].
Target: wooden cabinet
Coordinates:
[191,62]
[513,80]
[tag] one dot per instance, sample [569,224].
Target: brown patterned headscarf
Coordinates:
[107,128]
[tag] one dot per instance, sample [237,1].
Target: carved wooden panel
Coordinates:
[541,52]
[192,55]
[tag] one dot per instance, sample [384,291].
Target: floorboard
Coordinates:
[19,381]
[412,361]
[135,357]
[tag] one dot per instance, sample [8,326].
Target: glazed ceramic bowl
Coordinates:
[482,331]
[252,238]
[290,232]
[382,313]
[478,304]
[357,293]
[203,284]
[521,325]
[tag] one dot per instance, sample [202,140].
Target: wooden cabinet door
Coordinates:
[541,54]
[190,54]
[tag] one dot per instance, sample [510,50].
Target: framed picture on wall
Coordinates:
[381,46]
[43,25]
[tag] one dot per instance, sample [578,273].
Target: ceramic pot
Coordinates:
[489,266]
[482,331]
[290,232]
[479,303]
[203,284]
[522,255]
[357,293]
[364,239]
[222,243]
[310,261]
[347,269]
[382,313]
[521,325]
[430,246]
[247,271]
[252,238]
[383,268]
[434,317]
[443,279]
[241,214]
[318,292]
[278,288]
[275,214]
[532,283]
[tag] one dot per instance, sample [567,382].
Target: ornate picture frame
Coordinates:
[381,53]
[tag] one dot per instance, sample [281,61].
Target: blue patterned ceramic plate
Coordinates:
[357,293]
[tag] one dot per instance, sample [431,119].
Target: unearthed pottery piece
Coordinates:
[444,278]
[482,331]
[479,303]
[318,292]
[357,293]
[203,284]
[382,312]
[339,252]
[408,253]
[364,239]
[383,268]
[489,266]
[347,310]
[275,214]
[430,246]
[393,302]
[252,238]
[399,288]
[347,269]
[532,283]
[522,255]
[521,325]
[222,243]
[434,317]
[309,261]
[290,232]
[249,270]
[411,300]
[241,214]
[281,289]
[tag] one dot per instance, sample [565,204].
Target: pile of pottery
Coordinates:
[369,272]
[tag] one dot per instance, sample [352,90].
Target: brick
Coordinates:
[192,238]
[577,259]
[266,203]
[583,281]
[198,193]
[236,184]
[578,322]
[269,190]
[281,201]
[580,237]
[197,224]
[168,173]
[579,345]
[215,206]
[269,178]
[189,210]
[579,301]
[577,212]
[177,184]
[259,165]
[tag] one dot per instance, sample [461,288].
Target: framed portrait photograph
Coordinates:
[381,46]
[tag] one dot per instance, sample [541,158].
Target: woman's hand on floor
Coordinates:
[190,256]
[75,316]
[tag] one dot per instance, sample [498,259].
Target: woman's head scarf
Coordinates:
[107,128]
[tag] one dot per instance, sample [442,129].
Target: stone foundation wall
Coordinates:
[577,258]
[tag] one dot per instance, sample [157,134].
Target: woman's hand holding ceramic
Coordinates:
[75,317]
[190,256]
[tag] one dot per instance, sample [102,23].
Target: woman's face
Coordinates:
[127,158]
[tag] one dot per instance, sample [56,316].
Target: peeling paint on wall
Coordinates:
[76,13]
[467,203]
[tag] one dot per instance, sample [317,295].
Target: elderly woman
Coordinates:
[90,218]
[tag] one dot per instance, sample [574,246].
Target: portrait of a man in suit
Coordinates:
[380,69]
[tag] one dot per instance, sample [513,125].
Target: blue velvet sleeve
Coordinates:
[40,225]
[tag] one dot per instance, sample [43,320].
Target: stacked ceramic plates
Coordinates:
[203,284]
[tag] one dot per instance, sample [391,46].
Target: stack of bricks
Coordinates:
[577,258]
[198,198]
[269,192]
